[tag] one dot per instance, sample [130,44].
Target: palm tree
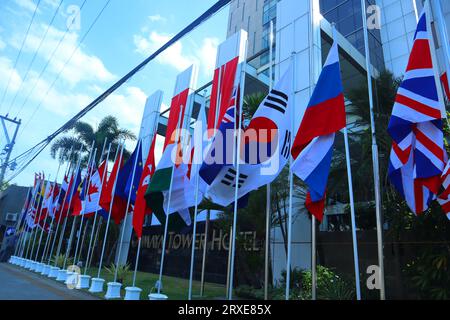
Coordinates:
[82,134]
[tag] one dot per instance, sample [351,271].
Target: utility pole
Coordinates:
[9,145]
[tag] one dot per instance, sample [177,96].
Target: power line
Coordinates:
[34,57]
[66,63]
[33,152]
[19,54]
[48,62]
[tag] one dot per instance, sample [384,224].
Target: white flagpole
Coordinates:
[72,189]
[61,211]
[45,219]
[268,188]
[124,222]
[80,228]
[20,224]
[50,233]
[291,191]
[36,227]
[375,157]
[197,183]
[113,191]
[33,231]
[238,169]
[352,203]
[74,222]
[105,173]
[136,261]
[444,37]
[166,225]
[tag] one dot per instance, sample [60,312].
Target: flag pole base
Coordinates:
[46,270]
[27,264]
[21,262]
[157,297]
[83,282]
[33,265]
[96,285]
[39,267]
[62,275]
[69,277]
[12,260]
[53,272]
[133,293]
[113,291]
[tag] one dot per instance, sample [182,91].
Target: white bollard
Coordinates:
[83,282]
[46,270]
[96,285]
[157,297]
[133,293]
[39,267]
[113,291]
[62,275]
[53,272]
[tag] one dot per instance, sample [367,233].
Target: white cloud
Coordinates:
[82,67]
[177,56]
[157,18]
[2,44]
[6,69]
[26,4]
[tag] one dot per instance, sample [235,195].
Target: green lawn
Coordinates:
[174,288]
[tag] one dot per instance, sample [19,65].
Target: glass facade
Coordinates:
[348,18]
[269,14]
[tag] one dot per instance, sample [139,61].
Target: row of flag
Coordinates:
[418,169]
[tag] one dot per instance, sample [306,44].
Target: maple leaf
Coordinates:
[92,189]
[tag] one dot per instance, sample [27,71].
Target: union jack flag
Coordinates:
[444,198]
[418,157]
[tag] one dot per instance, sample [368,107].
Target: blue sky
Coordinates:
[126,33]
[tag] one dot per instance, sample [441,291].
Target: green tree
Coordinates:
[82,134]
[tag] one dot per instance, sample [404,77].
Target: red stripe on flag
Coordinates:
[418,197]
[444,80]
[420,56]
[320,120]
[315,208]
[419,107]
[429,144]
[403,155]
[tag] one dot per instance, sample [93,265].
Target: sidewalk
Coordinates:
[21,284]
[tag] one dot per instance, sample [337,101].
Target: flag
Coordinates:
[158,190]
[78,195]
[131,189]
[312,150]
[119,203]
[140,206]
[444,197]
[444,81]
[417,158]
[265,147]
[92,198]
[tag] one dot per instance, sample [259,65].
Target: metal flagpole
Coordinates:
[375,158]
[352,203]
[124,222]
[205,249]
[74,222]
[61,213]
[36,227]
[27,239]
[238,169]
[20,224]
[197,183]
[99,226]
[47,215]
[230,243]
[33,231]
[50,235]
[44,220]
[444,37]
[166,225]
[88,182]
[268,188]
[110,207]
[96,211]
[72,189]
[291,191]
[352,215]
[136,262]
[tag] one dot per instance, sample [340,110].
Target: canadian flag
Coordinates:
[92,198]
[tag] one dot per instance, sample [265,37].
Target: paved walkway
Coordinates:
[20,284]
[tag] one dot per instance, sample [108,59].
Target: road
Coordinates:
[20,284]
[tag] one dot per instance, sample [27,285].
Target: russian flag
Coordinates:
[313,146]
